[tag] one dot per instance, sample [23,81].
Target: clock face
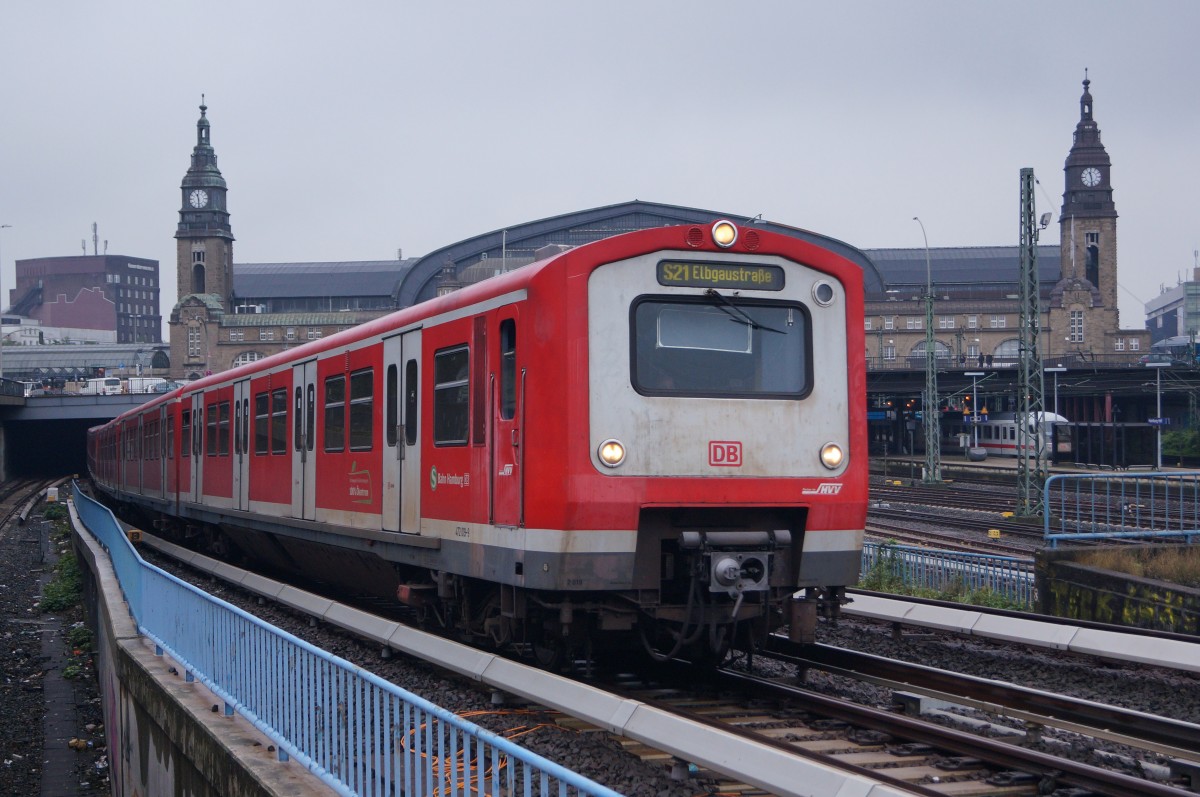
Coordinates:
[198,198]
[1090,177]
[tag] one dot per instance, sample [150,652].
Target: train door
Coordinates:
[196,491]
[402,454]
[140,454]
[163,436]
[304,432]
[507,388]
[241,444]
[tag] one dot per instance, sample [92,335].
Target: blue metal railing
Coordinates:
[1122,506]
[935,569]
[358,733]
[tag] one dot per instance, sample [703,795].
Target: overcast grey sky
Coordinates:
[349,130]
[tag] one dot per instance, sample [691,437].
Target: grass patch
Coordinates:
[80,637]
[886,575]
[55,512]
[1175,564]
[66,589]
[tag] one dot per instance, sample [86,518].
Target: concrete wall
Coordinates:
[1068,589]
[164,736]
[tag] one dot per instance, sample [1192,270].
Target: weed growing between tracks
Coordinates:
[887,575]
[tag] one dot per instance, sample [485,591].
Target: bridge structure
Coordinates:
[47,434]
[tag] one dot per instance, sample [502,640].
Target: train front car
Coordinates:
[721,455]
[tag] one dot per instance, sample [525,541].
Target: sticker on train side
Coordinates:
[824,488]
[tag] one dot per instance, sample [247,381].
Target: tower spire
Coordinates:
[202,126]
[1085,102]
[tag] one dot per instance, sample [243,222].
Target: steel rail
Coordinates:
[991,751]
[1158,734]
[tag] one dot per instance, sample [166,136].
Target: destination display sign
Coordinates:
[720,275]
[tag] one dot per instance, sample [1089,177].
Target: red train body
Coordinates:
[661,431]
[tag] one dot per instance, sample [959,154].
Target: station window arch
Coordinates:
[1008,349]
[245,358]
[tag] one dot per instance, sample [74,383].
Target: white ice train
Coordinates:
[998,435]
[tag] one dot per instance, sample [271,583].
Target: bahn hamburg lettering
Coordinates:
[717,275]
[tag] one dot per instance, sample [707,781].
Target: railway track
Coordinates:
[914,754]
[1034,707]
[904,752]
[17,495]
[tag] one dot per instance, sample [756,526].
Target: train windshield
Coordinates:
[720,345]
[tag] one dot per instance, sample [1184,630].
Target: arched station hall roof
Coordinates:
[519,242]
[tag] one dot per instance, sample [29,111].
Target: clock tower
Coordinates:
[204,239]
[1089,218]
[203,262]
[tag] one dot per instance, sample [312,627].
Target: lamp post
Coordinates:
[1056,372]
[933,459]
[974,407]
[1158,409]
[2,227]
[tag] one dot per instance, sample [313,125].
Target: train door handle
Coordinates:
[516,440]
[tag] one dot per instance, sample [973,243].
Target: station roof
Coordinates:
[349,278]
[57,359]
[959,265]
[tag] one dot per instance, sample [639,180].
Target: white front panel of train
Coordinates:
[726,437]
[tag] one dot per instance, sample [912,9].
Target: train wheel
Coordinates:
[549,653]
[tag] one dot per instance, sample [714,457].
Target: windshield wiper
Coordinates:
[742,316]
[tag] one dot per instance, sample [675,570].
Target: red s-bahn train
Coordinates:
[661,433]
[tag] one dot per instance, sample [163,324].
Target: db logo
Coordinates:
[725,453]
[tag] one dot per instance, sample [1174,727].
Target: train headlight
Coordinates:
[832,455]
[611,453]
[724,234]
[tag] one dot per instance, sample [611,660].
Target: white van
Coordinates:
[102,386]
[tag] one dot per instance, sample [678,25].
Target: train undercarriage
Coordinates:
[711,590]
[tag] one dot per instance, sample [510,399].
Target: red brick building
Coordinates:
[110,292]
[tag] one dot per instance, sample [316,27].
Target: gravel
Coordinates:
[34,657]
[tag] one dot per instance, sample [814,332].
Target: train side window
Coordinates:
[392,408]
[297,419]
[362,409]
[262,421]
[210,438]
[170,437]
[508,368]
[451,393]
[223,429]
[237,427]
[279,420]
[335,413]
[410,403]
[311,418]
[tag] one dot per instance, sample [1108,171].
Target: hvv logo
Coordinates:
[725,453]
